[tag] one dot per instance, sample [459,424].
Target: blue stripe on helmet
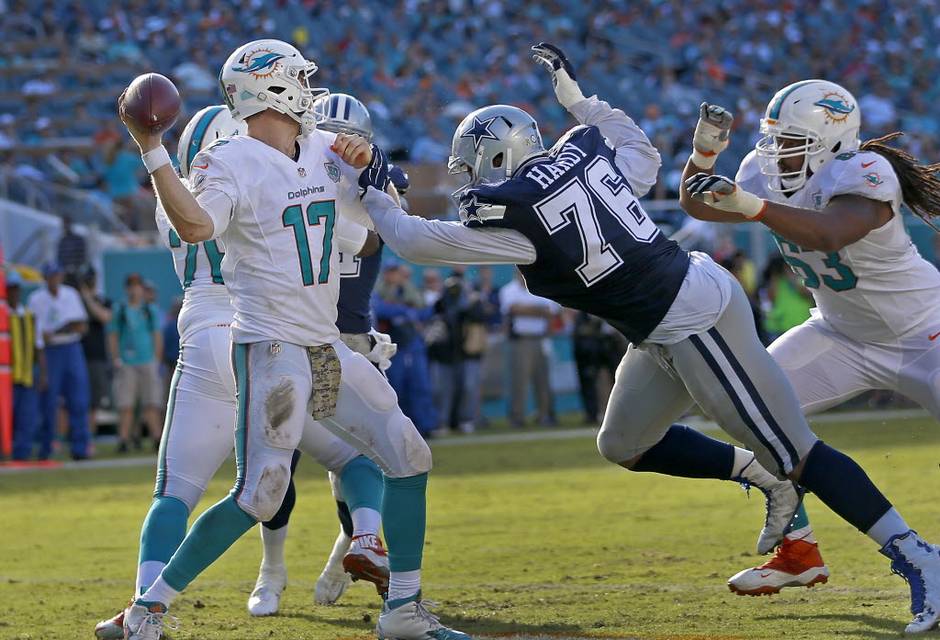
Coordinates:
[199,132]
[334,101]
[346,110]
[775,110]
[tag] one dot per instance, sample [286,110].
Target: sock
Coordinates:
[213,532]
[403,587]
[686,453]
[362,484]
[889,525]
[160,592]
[800,528]
[273,543]
[366,521]
[844,487]
[403,514]
[161,534]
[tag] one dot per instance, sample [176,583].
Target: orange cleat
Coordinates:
[796,563]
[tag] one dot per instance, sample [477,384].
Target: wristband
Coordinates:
[703,161]
[155,158]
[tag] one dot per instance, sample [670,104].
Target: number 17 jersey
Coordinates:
[281,263]
[876,289]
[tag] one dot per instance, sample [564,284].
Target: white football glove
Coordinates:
[383,351]
[722,193]
[711,134]
[566,87]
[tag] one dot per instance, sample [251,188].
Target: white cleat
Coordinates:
[796,563]
[368,560]
[265,600]
[146,621]
[783,498]
[111,629]
[918,562]
[413,621]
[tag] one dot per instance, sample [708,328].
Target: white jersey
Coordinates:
[199,269]
[876,289]
[281,263]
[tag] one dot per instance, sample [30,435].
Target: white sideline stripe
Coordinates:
[696,422]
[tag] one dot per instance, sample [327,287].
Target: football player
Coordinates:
[271,197]
[357,552]
[834,207]
[197,437]
[570,219]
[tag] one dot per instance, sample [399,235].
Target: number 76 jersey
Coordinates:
[876,289]
[596,249]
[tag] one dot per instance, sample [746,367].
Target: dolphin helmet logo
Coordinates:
[260,63]
[836,106]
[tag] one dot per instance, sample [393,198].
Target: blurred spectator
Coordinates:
[94,343]
[171,343]
[60,316]
[489,296]
[740,267]
[598,349]
[529,320]
[28,369]
[399,311]
[433,286]
[122,181]
[788,301]
[71,252]
[135,342]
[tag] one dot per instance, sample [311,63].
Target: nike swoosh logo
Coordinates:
[934,336]
[201,166]
[766,574]
[865,165]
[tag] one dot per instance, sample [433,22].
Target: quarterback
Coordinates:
[271,196]
[570,218]
[834,207]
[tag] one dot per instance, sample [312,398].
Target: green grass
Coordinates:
[534,538]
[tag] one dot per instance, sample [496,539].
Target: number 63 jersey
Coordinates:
[596,250]
[278,219]
[876,289]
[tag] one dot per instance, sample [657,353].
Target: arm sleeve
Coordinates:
[637,158]
[220,208]
[434,242]
[350,237]
[213,184]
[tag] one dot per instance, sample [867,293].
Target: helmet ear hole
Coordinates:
[498,161]
[278,90]
[837,146]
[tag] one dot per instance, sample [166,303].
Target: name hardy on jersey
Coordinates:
[305,191]
[547,173]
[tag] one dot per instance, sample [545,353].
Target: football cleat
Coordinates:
[265,599]
[367,560]
[334,580]
[782,497]
[918,562]
[111,629]
[413,621]
[796,563]
[146,621]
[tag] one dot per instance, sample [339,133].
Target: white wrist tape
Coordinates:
[155,158]
[703,161]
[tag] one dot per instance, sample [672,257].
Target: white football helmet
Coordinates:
[342,113]
[821,119]
[270,74]
[207,126]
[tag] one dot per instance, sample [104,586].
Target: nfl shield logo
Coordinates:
[301,172]
[332,170]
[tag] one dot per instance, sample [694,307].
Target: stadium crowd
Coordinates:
[420,65]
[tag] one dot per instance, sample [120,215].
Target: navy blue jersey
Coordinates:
[355,290]
[596,249]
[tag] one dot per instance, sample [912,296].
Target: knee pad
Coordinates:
[612,447]
[265,498]
[181,489]
[417,459]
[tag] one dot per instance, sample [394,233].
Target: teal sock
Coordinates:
[800,520]
[362,484]
[403,518]
[212,534]
[161,534]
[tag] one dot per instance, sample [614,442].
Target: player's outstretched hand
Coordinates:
[563,79]
[711,135]
[354,150]
[144,138]
[722,193]
[376,172]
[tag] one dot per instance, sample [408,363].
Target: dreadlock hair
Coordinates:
[920,187]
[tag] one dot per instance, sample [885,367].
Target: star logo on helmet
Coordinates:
[480,131]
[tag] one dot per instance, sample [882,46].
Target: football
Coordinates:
[152,102]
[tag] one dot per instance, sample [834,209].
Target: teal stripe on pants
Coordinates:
[242,402]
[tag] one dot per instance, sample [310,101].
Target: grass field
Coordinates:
[529,539]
